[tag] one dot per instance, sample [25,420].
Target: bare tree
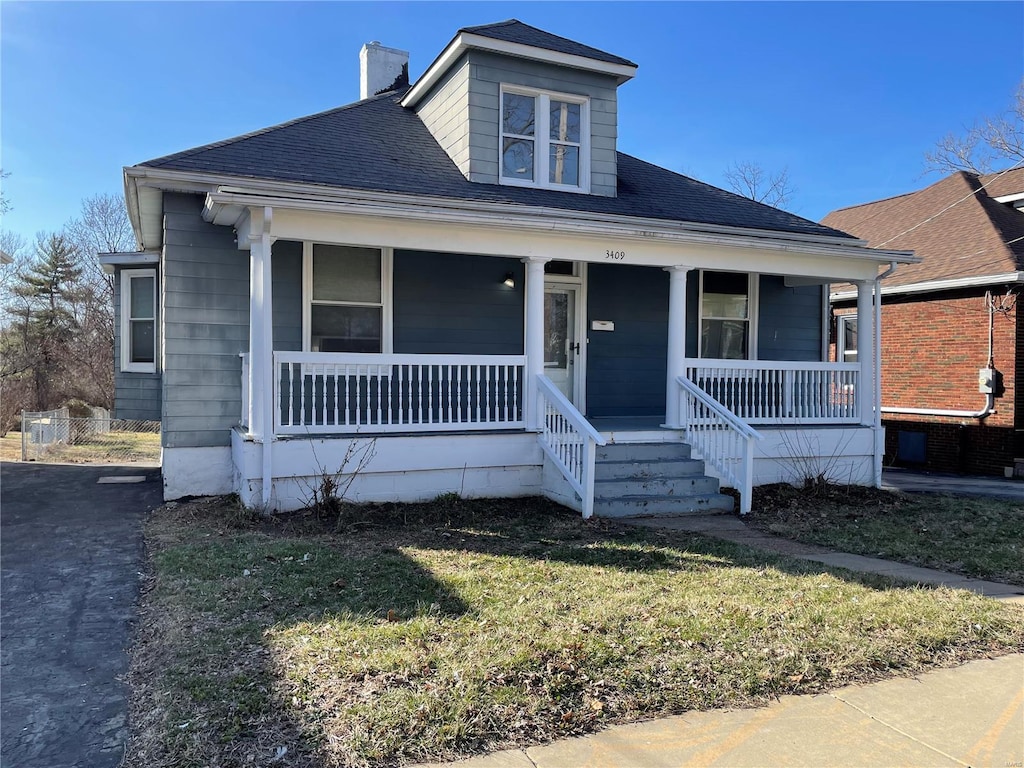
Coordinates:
[995,143]
[13,246]
[5,201]
[749,179]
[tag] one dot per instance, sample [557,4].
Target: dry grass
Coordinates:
[436,631]
[977,537]
[113,447]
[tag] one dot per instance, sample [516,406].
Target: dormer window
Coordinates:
[545,139]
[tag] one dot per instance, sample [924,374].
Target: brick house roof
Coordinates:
[955,226]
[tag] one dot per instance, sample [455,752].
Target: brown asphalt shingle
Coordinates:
[954,225]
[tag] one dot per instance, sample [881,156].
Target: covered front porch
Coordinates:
[537,417]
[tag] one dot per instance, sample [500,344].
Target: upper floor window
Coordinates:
[545,140]
[138,320]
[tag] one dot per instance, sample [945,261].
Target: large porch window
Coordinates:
[726,307]
[347,308]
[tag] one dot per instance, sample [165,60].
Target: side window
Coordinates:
[347,299]
[725,312]
[847,339]
[138,320]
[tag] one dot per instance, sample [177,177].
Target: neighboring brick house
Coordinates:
[939,316]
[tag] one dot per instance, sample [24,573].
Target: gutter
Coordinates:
[879,441]
[939,285]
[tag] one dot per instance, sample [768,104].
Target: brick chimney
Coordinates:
[381,69]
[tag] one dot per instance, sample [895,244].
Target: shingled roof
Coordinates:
[955,226]
[514,31]
[378,145]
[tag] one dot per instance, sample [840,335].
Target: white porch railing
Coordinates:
[322,392]
[765,392]
[723,440]
[569,440]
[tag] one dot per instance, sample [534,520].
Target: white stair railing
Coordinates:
[721,437]
[569,440]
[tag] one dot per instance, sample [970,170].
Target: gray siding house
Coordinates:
[463,283]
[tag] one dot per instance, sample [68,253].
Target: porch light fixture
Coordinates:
[510,280]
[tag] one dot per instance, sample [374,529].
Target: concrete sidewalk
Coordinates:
[733,529]
[970,715]
[912,481]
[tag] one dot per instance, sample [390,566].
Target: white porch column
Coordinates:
[676,342]
[261,342]
[866,396]
[534,336]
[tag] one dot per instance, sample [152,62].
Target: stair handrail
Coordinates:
[709,433]
[569,440]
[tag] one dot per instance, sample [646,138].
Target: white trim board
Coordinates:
[932,286]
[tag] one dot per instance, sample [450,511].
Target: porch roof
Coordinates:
[378,145]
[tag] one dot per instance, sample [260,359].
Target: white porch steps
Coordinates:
[653,478]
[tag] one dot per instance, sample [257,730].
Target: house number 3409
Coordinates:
[615,255]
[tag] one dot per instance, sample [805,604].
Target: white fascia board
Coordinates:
[1014,198]
[939,285]
[467,40]
[557,220]
[131,259]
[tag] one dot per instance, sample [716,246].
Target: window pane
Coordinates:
[141,298]
[556,329]
[518,114]
[142,346]
[564,165]
[345,329]
[849,339]
[341,273]
[724,339]
[565,121]
[517,159]
[725,305]
[725,295]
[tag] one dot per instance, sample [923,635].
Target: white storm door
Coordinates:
[561,339]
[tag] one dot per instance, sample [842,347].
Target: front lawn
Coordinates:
[426,632]
[983,538]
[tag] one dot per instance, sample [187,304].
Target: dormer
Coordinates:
[512,104]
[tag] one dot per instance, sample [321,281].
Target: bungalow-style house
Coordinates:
[459,285]
[953,345]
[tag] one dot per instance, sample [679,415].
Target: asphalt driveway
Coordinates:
[71,555]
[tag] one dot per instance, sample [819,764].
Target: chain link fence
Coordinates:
[56,436]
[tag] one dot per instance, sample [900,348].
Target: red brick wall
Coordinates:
[932,348]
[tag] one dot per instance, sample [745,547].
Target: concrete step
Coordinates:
[692,485]
[640,506]
[642,451]
[639,470]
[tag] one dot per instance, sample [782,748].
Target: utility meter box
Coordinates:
[987,381]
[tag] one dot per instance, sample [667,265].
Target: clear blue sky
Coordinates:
[848,96]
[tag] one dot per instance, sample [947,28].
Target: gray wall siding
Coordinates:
[488,71]
[446,303]
[287,293]
[789,321]
[626,368]
[445,113]
[136,395]
[205,301]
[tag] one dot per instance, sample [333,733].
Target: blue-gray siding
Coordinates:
[447,303]
[463,113]
[626,367]
[136,395]
[790,321]
[286,264]
[206,325]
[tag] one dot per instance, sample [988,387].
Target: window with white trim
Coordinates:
[545,139]
[347,291]
[138,320]
[846,338]
[726,311]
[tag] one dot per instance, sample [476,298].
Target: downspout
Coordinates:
[990,398]
[879,441]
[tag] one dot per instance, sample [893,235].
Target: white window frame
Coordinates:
[841,351]
[386,279]
[542,139]
[753,288]
[126,277]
